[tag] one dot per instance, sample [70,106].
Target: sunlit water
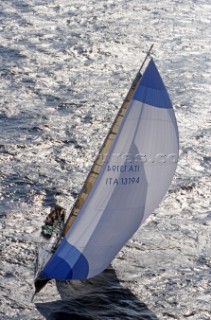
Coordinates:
[65,69]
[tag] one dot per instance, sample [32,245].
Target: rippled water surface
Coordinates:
[65,69]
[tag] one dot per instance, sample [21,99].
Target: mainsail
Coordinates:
[124,186]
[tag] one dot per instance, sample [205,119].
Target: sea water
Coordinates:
[65,69]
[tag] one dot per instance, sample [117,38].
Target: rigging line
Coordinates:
[147,55]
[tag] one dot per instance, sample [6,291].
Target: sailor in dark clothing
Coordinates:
[56,214]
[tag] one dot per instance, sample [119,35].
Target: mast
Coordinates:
[96,168]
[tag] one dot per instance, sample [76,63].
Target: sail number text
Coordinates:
[124,171]
[122,181]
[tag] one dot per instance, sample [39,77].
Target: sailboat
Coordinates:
[127,181]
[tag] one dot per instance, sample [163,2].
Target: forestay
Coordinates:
[131,183]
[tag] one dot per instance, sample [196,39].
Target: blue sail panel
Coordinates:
[67,263]
[151,89]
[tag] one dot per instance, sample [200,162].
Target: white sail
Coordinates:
[100,160]
[130,185]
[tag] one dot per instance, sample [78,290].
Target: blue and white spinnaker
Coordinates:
[130,184]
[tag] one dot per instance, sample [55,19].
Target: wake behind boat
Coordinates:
[127,181]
